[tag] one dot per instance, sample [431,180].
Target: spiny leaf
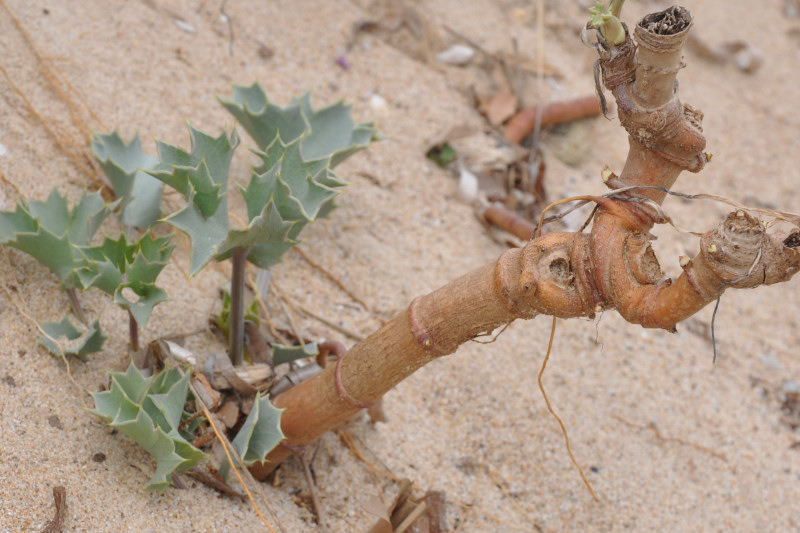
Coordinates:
[298,192]
[287,354]
[326,133]
[63,338]
[201,176]
[259,434]
[299,147]
[204,170]
[266,228]
[149,411]
[206,234]
[52,233]
[262,119]
[122,163]
[332,132]
[148,297]
[116,265]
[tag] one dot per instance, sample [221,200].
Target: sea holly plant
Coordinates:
[60,238]
[293,185]
[128,273]
[54,235]
[150,410]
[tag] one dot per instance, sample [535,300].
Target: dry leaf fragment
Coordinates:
[501,107]
[376,507]
[57,523]
[228,414]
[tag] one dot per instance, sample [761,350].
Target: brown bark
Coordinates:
[568,274]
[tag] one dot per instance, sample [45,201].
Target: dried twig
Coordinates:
[213,481]
[501,484]
[230,450]
[333,325]
[507,220]
[57,523]
[524,122]
[331,277]
[349,441]
[311,489]
[652,427]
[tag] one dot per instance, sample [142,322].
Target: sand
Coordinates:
[669,440]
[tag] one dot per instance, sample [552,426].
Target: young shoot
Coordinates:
[606,19]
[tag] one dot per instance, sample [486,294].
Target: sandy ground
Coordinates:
[670,441]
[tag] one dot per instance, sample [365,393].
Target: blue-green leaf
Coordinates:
[116,265]
[63,338]
[52,233]
[259,434]
[327,133]
[122,163]
[201,176]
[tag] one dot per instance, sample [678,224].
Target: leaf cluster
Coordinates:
[149,411]
[116,266]
[54,234]
[293,185]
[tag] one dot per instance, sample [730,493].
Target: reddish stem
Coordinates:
[524,122]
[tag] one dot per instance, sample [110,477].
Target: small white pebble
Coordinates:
[749,60]
[467,186]
[458,55]
[3,149]
[790,387]
[377,102]
[185,26]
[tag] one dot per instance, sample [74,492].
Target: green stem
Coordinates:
[606,19]
[76,305]
[133,328]
[236,325]
[616,7]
